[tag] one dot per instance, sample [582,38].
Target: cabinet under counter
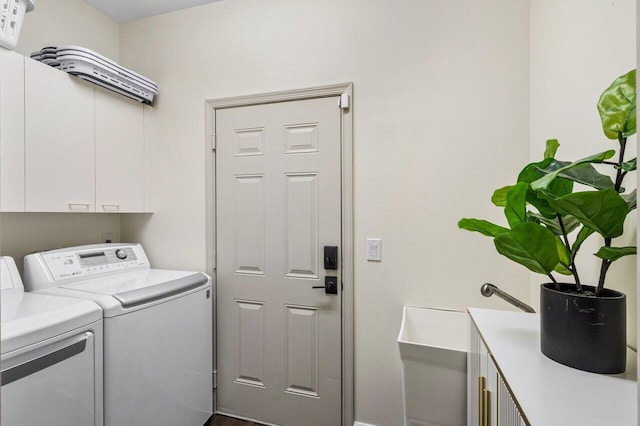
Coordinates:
[544,392]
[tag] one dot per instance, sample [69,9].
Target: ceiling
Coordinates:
[129,10]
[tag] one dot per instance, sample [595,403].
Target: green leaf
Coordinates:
[617,107]
[631,199]
[534,171]
[603,211]
[615,253]
[561,269]
[582,236]
[586,174]
[629,166]
[570,222]
[482,226]
[499,197]
[544,182]
[552,148]
[558,187]
[530,245]
[515,206]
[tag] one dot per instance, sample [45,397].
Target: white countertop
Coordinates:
[550,393]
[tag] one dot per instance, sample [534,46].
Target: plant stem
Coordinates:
[557,286]
[620,174]
[603,270]
[572,267]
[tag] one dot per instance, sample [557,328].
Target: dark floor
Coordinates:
[219,420]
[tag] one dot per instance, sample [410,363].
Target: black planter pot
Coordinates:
[584,332]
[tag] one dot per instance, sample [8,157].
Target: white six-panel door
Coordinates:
[278,203]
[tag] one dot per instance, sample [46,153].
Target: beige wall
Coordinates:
[442,110]
[68,22]
[60,22]
[440,119]
[24,233]
[578,48]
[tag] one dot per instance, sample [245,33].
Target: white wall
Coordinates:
[441,117]
[68,22]
[441,114]
[60,22]
[578,47]
[24,233]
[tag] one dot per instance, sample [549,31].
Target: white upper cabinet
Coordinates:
[11,131]
[119,133]
[67,145]
[59,141]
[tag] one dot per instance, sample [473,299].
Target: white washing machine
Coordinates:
[51,357]
[157,330]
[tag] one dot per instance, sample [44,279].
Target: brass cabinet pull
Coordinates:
[486,399]
[481,406]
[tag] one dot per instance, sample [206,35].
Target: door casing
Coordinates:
[346,125]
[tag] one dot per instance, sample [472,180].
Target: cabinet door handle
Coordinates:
[80,206]
[486,399]
[481,385]
[111,207]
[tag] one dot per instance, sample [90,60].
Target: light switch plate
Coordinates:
[374,249]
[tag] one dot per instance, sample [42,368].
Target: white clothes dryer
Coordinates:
[158,330]
[51,357]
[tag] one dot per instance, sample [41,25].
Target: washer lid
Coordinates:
[127,290]
[148,294]
[29,318]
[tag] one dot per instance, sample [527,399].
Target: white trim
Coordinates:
[282,96]
[348,371]
[362,424]
[347,213]
[210,226]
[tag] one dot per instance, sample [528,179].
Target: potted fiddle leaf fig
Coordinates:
[551,209]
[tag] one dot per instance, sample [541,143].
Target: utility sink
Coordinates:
[433,347]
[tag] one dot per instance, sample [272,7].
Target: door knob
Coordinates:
[330,285]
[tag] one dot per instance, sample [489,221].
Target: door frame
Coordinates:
[346,129]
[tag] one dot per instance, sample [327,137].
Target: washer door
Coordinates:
[50,383]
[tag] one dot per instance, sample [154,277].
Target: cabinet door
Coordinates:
[482,384]
[59,141]
[508,413]
[491,394]
[474,382]
[480,379]
[120,161]
[11,131]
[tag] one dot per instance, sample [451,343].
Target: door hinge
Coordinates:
[214,379]
[344,101]
[213,142]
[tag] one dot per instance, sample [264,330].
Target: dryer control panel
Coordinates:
[87,261]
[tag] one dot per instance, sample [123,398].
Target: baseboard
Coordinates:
[362,424]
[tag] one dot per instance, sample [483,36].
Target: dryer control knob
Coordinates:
[121,254]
